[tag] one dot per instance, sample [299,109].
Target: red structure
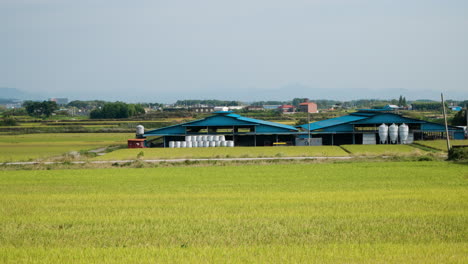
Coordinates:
[136,143]
[308,107]
[287,108]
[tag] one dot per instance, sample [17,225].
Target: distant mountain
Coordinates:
[13,93]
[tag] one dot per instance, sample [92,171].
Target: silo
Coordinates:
[171,144]
[140,130]
[393,133]
[383,133]
[404,131]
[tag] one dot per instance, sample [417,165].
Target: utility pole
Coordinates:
[446,126]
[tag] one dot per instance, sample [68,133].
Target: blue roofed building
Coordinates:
[242,130]
[362,127]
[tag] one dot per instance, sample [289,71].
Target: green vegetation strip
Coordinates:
[224,152]
[441,144]
[380,212]
[391,150]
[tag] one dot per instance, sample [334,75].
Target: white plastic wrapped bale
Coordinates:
[195,144]
[215,138]
[218,143]
[210,138]
[188,138]
[171,144]
[222,138]
[205,138]
[183,144]
[230,143]
[223,143]
[189,144]
[177,144]
[212,144]
[206,144]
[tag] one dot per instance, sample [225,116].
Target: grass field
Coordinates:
[441,144]
[42,146]
[224,152]
[382,149]
[378,212]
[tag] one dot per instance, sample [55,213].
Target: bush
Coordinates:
[458,154]
[8,121]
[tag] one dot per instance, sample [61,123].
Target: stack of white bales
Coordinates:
[202,141]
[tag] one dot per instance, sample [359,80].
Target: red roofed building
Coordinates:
[287,109]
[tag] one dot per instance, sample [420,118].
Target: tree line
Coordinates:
[117,110]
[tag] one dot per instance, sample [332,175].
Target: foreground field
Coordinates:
[224,152]
[380,212]
[441,144]
[382,149]
[43,146]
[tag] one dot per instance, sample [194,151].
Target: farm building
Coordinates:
[362,127]
[242,131]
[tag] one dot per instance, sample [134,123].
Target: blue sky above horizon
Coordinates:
[161,51]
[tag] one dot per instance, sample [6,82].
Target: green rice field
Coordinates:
[381,149]
[441,144]
[369,212]
[224,152]
[43,146]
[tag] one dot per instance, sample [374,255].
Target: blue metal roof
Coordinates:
[262,122]
[333,122]
[344,123]
[224,119]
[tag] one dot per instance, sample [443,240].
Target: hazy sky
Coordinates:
[154,50]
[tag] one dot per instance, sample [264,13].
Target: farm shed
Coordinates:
[243,131]
[362,127]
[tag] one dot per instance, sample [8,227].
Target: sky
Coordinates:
[162,51]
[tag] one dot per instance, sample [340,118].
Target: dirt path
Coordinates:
[175,160]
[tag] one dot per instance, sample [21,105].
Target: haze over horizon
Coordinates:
[162,51]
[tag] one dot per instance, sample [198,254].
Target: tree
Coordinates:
[40,109]
[297,101]
[117,110]
[459,119]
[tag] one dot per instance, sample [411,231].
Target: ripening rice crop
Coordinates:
[441,144]
[42,146]
[379,212]
[382,149]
